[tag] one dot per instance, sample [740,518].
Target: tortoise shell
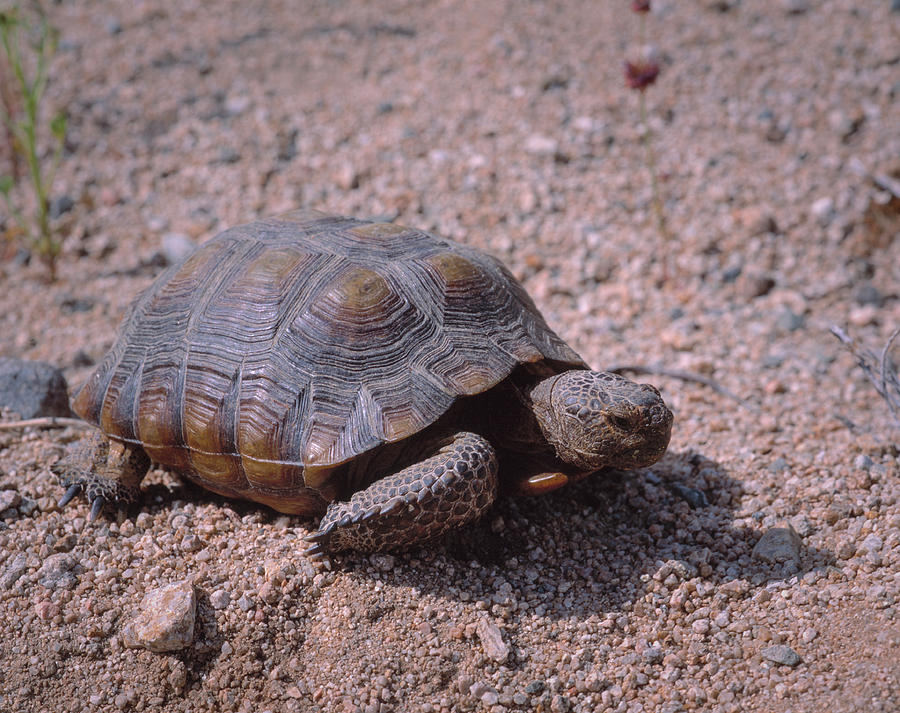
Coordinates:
[287,346]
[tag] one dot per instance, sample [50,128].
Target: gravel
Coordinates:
[506,126]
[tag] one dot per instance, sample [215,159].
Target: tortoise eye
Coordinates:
[620,422]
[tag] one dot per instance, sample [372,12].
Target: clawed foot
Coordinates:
[104,472]
[98,491]
[74,489]
[319,549]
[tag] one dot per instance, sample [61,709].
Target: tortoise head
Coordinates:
[600,420]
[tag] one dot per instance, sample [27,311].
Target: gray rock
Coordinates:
[166,619]
[60,206]
[693,497]
[868,295]
[9,499]
[56,572]
[287,144]
[112,26]
[13,571]
[27,507]
[790,321]
[70,304]
[778,545]
[33,388]
[796,7]
[228,154]
[492,640]
[781,654]
[732,273]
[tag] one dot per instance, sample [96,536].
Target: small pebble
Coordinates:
[541,145]
[868,295]
[823,210]
[112,26]
[790,321]
[176,247]
[9,499]
[15,568]
[808,635]
[796,7]
[56,571]
[384,562]
[220,599]
[872,543]
[165,621]
[237,104]
[693,497]
[781,654]
[492,640]
[61,205]
[778,545]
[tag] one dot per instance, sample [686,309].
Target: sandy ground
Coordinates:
[506,125]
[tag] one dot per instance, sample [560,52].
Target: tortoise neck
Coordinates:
[509,419]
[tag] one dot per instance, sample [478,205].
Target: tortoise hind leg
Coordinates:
[455,485]
[105,471]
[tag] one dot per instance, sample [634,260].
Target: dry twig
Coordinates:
[882,180]
[45,422]
[881,371]
[685,376]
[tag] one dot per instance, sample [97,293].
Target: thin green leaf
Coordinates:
[58,126]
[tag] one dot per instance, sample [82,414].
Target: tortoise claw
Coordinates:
[74,489]
[318,547]
[96,507]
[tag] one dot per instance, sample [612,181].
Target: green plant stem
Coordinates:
[650,157]
[656,198]
[25,135]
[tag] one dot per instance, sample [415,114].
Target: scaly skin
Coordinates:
[446,490]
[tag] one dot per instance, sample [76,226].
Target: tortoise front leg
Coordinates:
[424,500]
[106,471]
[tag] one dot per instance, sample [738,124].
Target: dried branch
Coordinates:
[45,422]
[881,371]
[685,376]
[882,180]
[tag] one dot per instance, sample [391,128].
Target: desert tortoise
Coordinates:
[378,376]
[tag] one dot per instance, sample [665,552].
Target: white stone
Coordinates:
[166,619]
